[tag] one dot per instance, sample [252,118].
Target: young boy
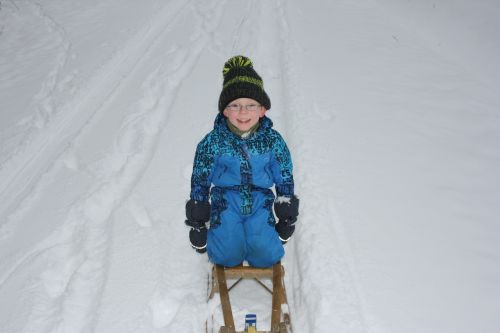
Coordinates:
[243,157]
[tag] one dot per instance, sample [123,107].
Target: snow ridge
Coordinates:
[45,99]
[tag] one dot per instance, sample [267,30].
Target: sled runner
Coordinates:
[280,318]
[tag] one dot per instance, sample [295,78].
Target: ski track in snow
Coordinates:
[46,152]
[42,149]
[72,286]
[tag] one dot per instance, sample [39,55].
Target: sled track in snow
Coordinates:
[339,294]
[320,301]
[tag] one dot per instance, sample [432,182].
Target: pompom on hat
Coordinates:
[241,80]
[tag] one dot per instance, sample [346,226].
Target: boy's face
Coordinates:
[244,113]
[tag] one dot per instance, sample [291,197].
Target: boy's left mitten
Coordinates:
[287,210]
[198,214]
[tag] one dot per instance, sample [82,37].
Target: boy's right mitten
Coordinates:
[287,210]
[198,214]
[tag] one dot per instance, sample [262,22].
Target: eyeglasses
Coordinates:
[238,107]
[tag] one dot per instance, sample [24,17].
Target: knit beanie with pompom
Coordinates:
[241,80]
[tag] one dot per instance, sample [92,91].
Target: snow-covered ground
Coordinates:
[392,114]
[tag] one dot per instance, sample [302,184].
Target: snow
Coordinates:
[390,110]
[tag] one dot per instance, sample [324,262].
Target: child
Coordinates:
[242,157]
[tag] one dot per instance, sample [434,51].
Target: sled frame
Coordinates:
[275,273]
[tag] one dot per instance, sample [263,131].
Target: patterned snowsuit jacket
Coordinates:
[242,172]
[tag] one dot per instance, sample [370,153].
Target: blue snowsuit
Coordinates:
[242,172]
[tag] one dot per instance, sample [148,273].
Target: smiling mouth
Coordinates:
[244,121]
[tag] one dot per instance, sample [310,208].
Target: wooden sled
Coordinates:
[280,321]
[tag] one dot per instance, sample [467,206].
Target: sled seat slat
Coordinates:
[248,272]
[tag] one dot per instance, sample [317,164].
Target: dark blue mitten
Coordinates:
[286,210]
[198,214]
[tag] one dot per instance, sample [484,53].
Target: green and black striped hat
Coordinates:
[241,80]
